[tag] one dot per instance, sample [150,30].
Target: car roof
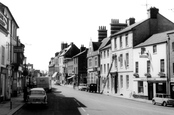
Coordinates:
[37,89]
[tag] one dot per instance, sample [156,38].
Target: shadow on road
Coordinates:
[58,104]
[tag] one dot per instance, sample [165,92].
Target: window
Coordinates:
[126,39]
[121,60]
[173,68]
[115,43]
[140,87]
[154,49]
[136,67]
[108,67]
[101,69]
[121,81]
[162,65]
[107,53]
[104,68]
[127,81]
[90,63]
[101,55]
[104,54]
[148,66]
[172,46]
[8,48]
[115,60]
[121,43]
[3,55]
[127,59]
[96,61]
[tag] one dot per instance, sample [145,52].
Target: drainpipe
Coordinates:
[168,65]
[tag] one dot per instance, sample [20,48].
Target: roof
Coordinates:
[105,42]
[10,14]
[80,53]
[128,28]
[65,50]
[96,45]
[156,39]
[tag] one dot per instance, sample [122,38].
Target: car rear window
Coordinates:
[37,92]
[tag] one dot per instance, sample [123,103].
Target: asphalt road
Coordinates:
[67,101]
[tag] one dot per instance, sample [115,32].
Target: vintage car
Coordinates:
[162,99]
[82,87]
[37,96]
[92,87]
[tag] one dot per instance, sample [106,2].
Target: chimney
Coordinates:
[116,26]
[102,33]
[82,48]
[130,21]
[152,12]
[64,45]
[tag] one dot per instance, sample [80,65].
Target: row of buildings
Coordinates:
[136,59]
[14,72]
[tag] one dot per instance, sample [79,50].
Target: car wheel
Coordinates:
[153,102]
[164,103]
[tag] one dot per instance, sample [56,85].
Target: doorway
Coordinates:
[172,90]
[150,91]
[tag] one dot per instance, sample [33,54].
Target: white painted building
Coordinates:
[150,66]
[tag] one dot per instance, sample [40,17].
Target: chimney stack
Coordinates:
[102,33]
[116,26]
[153,12]
[130,21]
[64,45]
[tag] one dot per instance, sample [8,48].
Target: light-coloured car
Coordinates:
[82,87]
[162,99]
[37,96]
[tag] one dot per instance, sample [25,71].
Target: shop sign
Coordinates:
[3,70]
[3,20]
[18,49]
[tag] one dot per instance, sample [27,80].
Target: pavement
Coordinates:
[11,107]
[17,102]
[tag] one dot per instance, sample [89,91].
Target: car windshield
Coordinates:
[37,92]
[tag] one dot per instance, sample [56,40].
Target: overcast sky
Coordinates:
[44,24]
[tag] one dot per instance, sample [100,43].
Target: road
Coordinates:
[67,101]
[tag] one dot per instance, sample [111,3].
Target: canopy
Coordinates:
[71,77]
[54,75]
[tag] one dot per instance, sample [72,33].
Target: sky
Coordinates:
[45,24]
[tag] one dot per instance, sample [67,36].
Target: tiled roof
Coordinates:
[128,28]
[155,39]
[105,42]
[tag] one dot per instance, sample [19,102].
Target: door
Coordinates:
[116,82]
[150,91]
[172,90]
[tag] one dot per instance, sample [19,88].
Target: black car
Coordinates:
[92,87]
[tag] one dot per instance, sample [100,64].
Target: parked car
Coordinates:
[82,87]
[37,96]
[92,87]
[162,99]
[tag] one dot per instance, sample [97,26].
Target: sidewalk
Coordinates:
[117,95]
[17,103]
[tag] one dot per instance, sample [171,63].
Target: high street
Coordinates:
[67,101]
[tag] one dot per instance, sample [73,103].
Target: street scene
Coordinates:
[64,100]
[109,57]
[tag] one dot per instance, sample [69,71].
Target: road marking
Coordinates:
[77,102]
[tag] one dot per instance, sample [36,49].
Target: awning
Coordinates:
[71,77]
[54,75]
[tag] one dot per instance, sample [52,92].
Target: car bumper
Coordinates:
[37,103]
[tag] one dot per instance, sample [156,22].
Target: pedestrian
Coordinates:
[25,93]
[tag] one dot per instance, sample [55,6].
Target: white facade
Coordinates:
[122,47]
[105,63]
[156,58]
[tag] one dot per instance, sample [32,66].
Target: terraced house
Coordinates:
[123,43]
